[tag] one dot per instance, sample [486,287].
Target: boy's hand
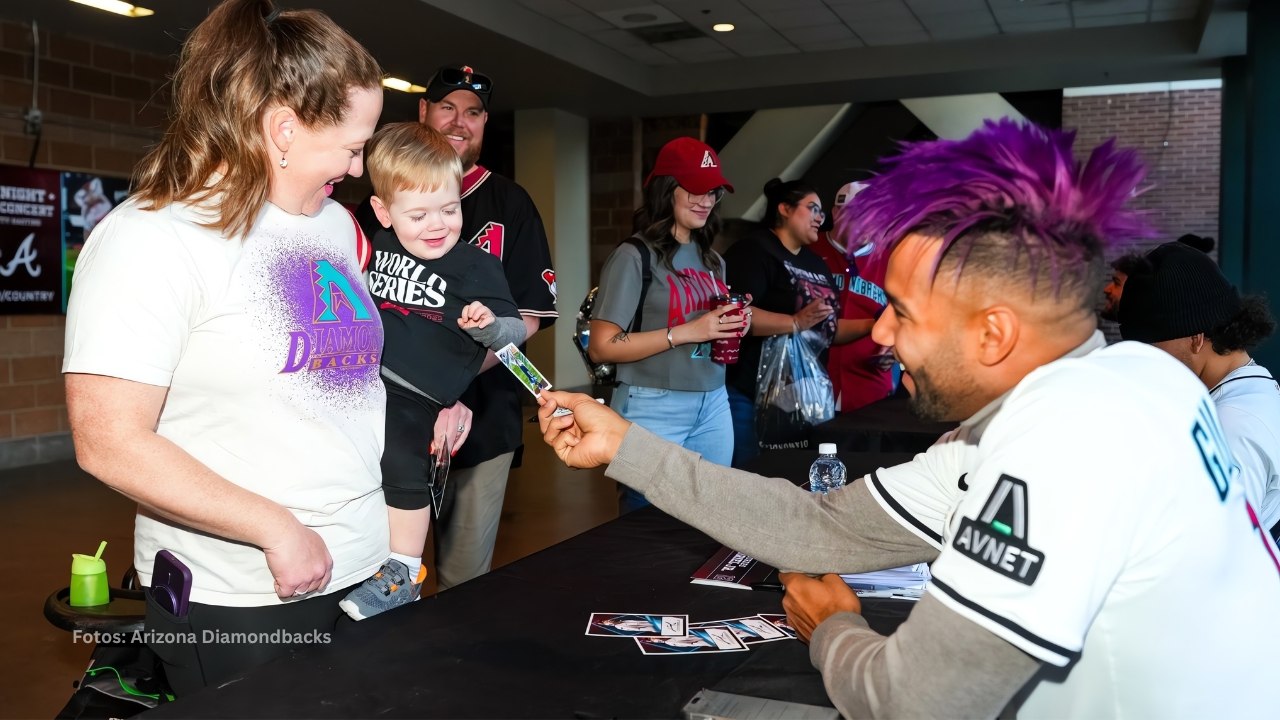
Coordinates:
[475,315]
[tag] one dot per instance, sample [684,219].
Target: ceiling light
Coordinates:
[117,7]
[722,27]
[402,85]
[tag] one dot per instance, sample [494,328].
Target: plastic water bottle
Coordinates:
[827,472]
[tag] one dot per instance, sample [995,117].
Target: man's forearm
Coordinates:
[767,518]
[937,664]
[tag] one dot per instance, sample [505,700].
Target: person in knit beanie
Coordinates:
[1184,305]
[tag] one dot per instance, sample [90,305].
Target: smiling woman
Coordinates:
[235,394]
[794,292]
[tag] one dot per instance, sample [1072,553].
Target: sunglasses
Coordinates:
[461,79]
[715,195]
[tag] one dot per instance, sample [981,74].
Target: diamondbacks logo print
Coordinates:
[490,239]
[549,277]
[707,159]
[343,334]
[998,537]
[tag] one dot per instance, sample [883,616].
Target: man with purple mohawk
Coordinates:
[1073,552]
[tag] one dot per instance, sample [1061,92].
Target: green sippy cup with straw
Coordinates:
[89,579]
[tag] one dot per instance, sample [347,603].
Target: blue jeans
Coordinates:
[743,410]
[698,421]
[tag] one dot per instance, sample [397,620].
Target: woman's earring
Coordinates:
[284,162]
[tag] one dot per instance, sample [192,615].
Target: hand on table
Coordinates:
[810,600]
[588,438]
[300,562]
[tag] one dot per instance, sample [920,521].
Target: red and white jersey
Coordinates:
[1116,546]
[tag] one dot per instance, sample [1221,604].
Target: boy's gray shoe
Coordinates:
[390,587]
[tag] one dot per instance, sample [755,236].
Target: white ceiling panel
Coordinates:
[852,42]
[1037,26]
[963,33]
[799,17]
[942,21]
[552,8]
[763,50]
[1190,5]
[601,6]
[1096,8]
[877,10]
[1103,20]
[1031,13]
[760,42]
[616,38]
[817,33]
[647,55]
[764,6]
[585,22]
[902,38]
[695,49]
[924,7]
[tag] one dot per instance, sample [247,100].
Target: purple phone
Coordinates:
[171,583]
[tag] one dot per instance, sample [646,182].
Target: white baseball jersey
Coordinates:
[1248,403]
[1116,546]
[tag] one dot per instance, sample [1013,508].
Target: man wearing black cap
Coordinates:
[1184,305]
[498,216]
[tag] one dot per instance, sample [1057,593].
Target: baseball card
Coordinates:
[709,639]
[636,625]
[523,368]
[779,621]
[750,630]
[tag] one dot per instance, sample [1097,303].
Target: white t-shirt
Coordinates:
[1114,546]
[1248,403]
[269,347]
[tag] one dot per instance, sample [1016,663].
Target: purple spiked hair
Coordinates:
[1016,178]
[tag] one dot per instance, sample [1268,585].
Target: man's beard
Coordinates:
[931,403]
[470,156]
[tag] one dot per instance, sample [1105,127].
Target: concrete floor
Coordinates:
[49,511]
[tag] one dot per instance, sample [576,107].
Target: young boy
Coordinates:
[442,304]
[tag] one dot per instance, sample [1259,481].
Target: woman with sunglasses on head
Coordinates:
[668,382]
[222,352]
[793,291]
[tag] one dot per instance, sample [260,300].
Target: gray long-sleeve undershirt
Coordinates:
[937,664]
[499,333]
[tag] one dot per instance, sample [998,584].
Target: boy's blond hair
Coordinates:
[410,156]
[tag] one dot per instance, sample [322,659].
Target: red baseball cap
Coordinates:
[692,163]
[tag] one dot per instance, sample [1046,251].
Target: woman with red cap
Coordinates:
[658,333]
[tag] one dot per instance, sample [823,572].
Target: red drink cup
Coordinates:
[726,351]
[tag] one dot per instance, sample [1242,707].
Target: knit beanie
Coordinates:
[1185,293]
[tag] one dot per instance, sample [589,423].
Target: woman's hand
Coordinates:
[299,562]
[452,424]
[475,315]
[716,324]
[812,314]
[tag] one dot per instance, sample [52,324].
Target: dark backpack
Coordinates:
[606,373]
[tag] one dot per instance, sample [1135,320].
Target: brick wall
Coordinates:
[622,150]
[1184,172]
[103,107]
[1179,136]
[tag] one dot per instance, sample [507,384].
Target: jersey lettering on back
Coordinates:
[1211,441]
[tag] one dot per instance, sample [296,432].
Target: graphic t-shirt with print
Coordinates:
[270,347]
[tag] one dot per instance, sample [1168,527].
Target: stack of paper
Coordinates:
[904,582]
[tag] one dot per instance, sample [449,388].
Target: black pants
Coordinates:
[213,643]
[406,460]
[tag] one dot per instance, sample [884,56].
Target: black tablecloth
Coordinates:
[511,643]
[888,425]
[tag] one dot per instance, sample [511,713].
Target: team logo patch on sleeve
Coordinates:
[998,537]
[549,277]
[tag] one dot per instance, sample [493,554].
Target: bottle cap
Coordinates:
[827,449]
[89,564]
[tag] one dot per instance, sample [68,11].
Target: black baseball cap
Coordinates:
[459,77]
